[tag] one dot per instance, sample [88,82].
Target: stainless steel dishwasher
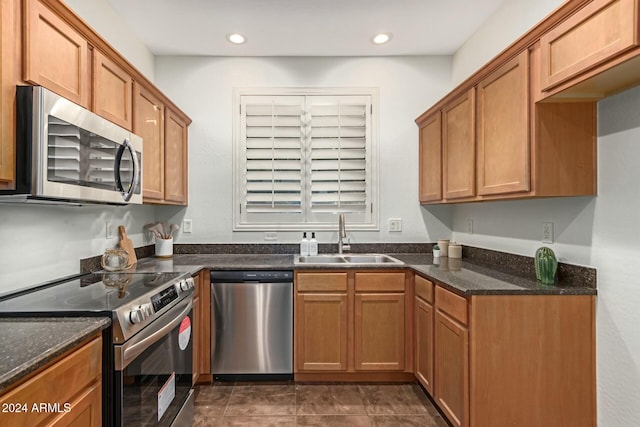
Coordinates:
[252,325]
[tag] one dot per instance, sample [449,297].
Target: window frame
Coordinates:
[239,178]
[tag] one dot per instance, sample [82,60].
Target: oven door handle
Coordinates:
[127,352]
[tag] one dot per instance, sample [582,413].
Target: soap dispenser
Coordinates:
[313,244]
[304,245]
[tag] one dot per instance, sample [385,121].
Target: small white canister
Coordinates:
[444,247]
[164,247]
[455,250]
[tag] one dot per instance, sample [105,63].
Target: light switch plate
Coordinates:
[547,232]
[270,236]
[469,226]
[187,226]
[109,230]
[395,225]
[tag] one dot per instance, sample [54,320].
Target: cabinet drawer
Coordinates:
[58,383]
[380,282]
[597,32]
[452,304]
[424,289]
[321,282]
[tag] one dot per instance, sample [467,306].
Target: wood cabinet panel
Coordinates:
[8,45]
[424,289]
[597,32]
[61,382]
[503,129]
[452,369]
[458,145]
[56,56]
[86,410]
[452,304]
[196,335]
[148,123]
[530,352]
[175,161]
[379,332]
[380,282]
[112,91]
[321,332]
[430,159]
[321,282]
[424,341]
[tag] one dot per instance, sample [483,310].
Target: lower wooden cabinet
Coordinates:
[351,322]
[379,331]
[76,380]
[495,360]
[196,331]
[201,329]
[321,331]
[452,368]
[424,343]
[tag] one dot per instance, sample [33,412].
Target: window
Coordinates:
[304,156]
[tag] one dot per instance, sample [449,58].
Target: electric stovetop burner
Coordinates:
[94,292]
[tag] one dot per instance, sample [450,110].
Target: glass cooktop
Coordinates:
[91,293]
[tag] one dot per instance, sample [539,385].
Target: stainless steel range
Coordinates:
[148,351]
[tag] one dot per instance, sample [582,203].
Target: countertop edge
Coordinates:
[93,325]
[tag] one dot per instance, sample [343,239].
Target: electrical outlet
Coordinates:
[187,226]
[109,232]
[547,232]
[469,226]
[270,236]
[395,224]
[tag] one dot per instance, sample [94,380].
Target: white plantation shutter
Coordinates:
[339,153]
[302,159]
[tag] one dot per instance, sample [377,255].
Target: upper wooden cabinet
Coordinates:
[148,123]
[55,54]
[7,92]
[176,158]
[503,129]
[597,32]
[430,154]
[112,89]
[458,146]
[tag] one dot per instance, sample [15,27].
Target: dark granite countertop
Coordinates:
[26,344]
[462,277]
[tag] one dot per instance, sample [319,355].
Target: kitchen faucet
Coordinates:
[343,240]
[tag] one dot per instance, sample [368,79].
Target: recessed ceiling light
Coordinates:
[236,38]
[381,38]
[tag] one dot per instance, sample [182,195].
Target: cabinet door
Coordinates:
[597,32]
[379,332]
[503,129]
[149,124]
[430,153]
[458,145]
[321,332]
[175,163]
[86,410]
[452,369]
[56,56]
[112,89]
[424,343]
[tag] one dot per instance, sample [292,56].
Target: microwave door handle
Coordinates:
[136,170]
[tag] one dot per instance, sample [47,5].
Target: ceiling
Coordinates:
[304,27]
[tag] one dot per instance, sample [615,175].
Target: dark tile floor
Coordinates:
[288,404]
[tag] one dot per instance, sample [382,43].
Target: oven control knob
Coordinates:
[148,310]
[137,315]
[186,284]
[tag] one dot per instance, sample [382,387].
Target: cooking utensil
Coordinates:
[172,229]
[127,245]
[156,229]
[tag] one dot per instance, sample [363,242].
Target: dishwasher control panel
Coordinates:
[263,276]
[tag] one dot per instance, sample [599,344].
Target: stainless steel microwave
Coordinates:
[67,154]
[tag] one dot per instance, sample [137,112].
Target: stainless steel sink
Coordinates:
[347,259]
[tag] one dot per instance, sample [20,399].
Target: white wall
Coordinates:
[202,87]
[101,16]
[597,231]
[502,28]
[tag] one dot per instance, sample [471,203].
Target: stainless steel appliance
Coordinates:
[147,352]
[253,323]
[66,153]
